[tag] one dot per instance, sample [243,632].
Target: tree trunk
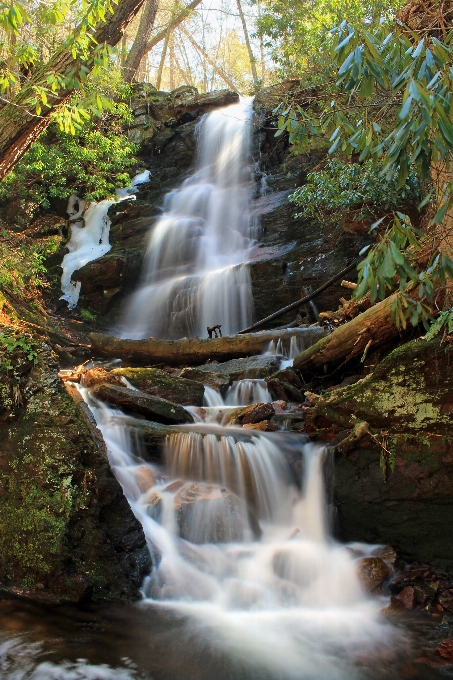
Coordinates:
[193,352]
[19,128]
[208,59]
[247,42]
[369,330]
[139,47]
[176,21]
[162,59]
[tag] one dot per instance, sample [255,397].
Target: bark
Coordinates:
[19,127]
[247,42]
[176,21]
[139,47]
[193,352]
[162,59]
[369,330]
[208,59]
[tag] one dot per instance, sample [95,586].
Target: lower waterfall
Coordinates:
[242,549]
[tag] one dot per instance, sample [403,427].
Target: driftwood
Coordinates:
[189,352]
[298,303]
[370,329]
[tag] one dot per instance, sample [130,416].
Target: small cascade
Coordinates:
[242,548]
[291,344]
[195,273]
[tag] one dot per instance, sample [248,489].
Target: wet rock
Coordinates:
[158,383]
[425,592]
[279,406]
[407,596]
[218,382]
[254,367]
[446,600]
[395,606]
[445,649]
[262,426]
[144,477]
[286,385]
[256,413]
[134,401]
[101,280]
[97,376]
[371,571]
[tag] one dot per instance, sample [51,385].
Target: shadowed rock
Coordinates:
[154,408]
[159,383]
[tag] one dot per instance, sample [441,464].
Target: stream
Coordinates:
[247,582]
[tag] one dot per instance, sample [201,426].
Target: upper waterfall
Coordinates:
[195,273]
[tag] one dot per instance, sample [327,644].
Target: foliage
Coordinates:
[22,269]
[443,322]
[300,38]
[392,106]
[92,163]
[87,315]
[19,347]
[344,187]
[27,31]
[393,265]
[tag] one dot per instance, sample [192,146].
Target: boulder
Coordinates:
[97,376]
[66,526]
[134,401]
[158,383]
[206,513]
[371,571]
[254,367]
[286,385]
[256,413]
[407,596]
[218,382]
[262,426]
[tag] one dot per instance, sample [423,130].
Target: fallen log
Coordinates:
[370,329]
[298,303]
[192,351]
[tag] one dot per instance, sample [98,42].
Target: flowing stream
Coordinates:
[247,581]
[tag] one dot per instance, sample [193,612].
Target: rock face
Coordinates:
[290,255]
[158,383]
[397,485]
[154,408]
[66,530]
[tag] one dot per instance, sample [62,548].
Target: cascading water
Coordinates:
[195,273]
[242,550]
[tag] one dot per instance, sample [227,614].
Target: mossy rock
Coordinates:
[159,383]
[66,528]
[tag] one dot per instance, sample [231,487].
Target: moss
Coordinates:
[158,383]
[63,517]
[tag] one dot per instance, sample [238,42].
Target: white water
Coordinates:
[289,603]
[89,236]
[195,272]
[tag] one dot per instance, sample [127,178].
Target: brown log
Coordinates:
[19,125]
[192,352]
[351,339]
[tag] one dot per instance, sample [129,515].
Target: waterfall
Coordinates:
[242,547]
[195,273]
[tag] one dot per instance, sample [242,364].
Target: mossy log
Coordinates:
[365,332]
[193,351]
